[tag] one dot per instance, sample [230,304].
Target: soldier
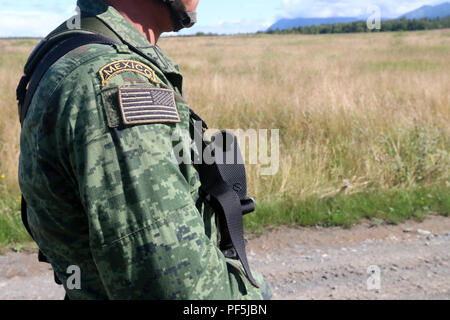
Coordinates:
[97,167]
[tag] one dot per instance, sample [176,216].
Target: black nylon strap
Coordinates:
[72,43]
[23,211]
[217,183]
[230,204]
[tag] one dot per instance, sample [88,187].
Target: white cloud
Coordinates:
[39,22]
[349,8]
[230,27]
[30,23]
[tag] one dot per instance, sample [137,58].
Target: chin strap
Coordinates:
[181,18]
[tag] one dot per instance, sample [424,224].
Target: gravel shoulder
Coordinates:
[317,263]
[307,263]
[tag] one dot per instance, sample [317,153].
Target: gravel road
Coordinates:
[413,261]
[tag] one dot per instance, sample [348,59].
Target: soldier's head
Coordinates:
[171,15]
[183,12]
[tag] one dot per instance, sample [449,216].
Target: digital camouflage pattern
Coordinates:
[110,198]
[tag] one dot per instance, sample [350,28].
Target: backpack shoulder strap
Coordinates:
[90,25]
[38,64]
[35,71]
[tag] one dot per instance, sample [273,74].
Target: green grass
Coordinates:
[12,230]
[405,65]
[391,206]
[372,118]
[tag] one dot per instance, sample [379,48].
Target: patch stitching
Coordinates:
[121,66]
[163,112]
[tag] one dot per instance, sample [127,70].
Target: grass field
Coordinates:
[363,119]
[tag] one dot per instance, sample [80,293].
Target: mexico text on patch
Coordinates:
[140,105]
[114,68]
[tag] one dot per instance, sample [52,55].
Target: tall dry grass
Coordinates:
[355,112]
[13,55]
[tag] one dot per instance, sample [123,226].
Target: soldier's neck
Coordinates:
[152,34]
[150,18]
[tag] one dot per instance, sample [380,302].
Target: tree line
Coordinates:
[361,26]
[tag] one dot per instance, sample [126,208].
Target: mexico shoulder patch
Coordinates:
[141,105]
[114,68]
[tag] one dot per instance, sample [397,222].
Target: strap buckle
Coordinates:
[248,205]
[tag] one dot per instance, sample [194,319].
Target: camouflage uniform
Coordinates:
[107,196]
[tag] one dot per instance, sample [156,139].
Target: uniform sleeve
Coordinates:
[147,238]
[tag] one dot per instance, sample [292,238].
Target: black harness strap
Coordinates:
[224,186]
[26,90]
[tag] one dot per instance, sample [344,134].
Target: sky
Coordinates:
[36,18]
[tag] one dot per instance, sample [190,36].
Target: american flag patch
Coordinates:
[140,105]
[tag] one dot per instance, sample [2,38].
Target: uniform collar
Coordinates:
[125,30]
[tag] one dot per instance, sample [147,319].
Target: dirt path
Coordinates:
[413,260]
[309,263]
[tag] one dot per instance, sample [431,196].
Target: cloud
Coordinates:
[31,23]
[55,6]
[230,26]
[37,18]
[349,8]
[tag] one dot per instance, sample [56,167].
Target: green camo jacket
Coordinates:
[104,191]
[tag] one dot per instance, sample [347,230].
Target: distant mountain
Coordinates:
[307,22]
[430,12]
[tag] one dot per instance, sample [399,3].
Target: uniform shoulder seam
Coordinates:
[73,65]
